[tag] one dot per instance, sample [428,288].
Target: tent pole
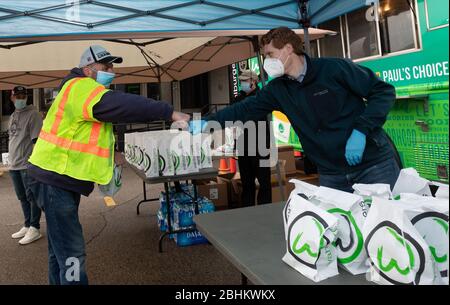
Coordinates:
[273,147]
[304,22]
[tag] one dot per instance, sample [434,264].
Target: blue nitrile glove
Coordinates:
[197,126]
[355,147]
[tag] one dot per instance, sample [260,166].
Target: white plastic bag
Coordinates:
[302,189]
[442,191]
[429,216]
[310,233]
[351,210]
[369,190]
[409,181]
[114,185]
[397,252]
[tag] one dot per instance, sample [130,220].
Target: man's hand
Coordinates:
[354,149]
[180,120]
[180,116]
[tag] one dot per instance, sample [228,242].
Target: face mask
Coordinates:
[105,78]
[20,104]
[246,87]
[274,67]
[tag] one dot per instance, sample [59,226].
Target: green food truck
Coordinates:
[405,42]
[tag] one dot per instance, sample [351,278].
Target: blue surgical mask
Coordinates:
[105,78]
[246,87]
[20,104]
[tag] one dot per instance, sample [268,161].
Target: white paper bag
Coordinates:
[115,184]
[310,234]
[409,181]
[377,189]
[351,210]
[151,158]
[429,216]
[397,252]
[442,191]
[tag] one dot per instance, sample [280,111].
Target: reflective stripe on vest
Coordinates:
[91,147]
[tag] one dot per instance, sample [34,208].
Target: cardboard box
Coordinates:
[286,152]
[216,191]
[234,194]
[274,175]
[276,193]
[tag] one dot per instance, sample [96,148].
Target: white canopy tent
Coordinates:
[43,64]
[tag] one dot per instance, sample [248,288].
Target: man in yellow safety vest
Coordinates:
[75,149]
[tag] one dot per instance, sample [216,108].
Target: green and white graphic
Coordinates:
[397,250]
[434,229]
[399,258]
[310,232]
[303,249]
[350,241]
[418,123]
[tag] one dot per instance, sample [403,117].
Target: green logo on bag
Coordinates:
[435,225]
[176,161]
[189,159]
[345,253]
[306,247]
[202,155]
[408,264]
[281,128]
[393,263]
[162,164]
[307,253]
[147,163]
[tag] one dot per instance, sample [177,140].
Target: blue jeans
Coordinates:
[66,249]
[384,172]
[31,211]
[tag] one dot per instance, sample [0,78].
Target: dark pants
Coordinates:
[250,169]
[31,211]
[66,249]
[384,172]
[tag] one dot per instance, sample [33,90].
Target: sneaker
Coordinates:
[21,233]
[32,235]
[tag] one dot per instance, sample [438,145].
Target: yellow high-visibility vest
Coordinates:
[72,142]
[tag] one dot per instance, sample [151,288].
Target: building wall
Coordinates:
[219,92]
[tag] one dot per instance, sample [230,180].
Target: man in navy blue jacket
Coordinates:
[59,195]
[336,107]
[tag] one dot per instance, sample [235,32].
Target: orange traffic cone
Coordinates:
[223,166]
[232,165]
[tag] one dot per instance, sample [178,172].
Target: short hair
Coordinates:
[280,37]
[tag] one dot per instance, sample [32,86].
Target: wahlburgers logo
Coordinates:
[189,160]
[147,162]
[350,242]
[281,128]
[202,155]
[140,158]
[287,210]
[176,161]
[118,177]
[434,227]
[301,249]
[399,258]
[162,163]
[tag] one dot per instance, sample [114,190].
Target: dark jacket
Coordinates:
[335,97]
[114,107]
[245,151]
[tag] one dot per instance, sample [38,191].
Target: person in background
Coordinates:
[24,127]
[75,149]
[249,160]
